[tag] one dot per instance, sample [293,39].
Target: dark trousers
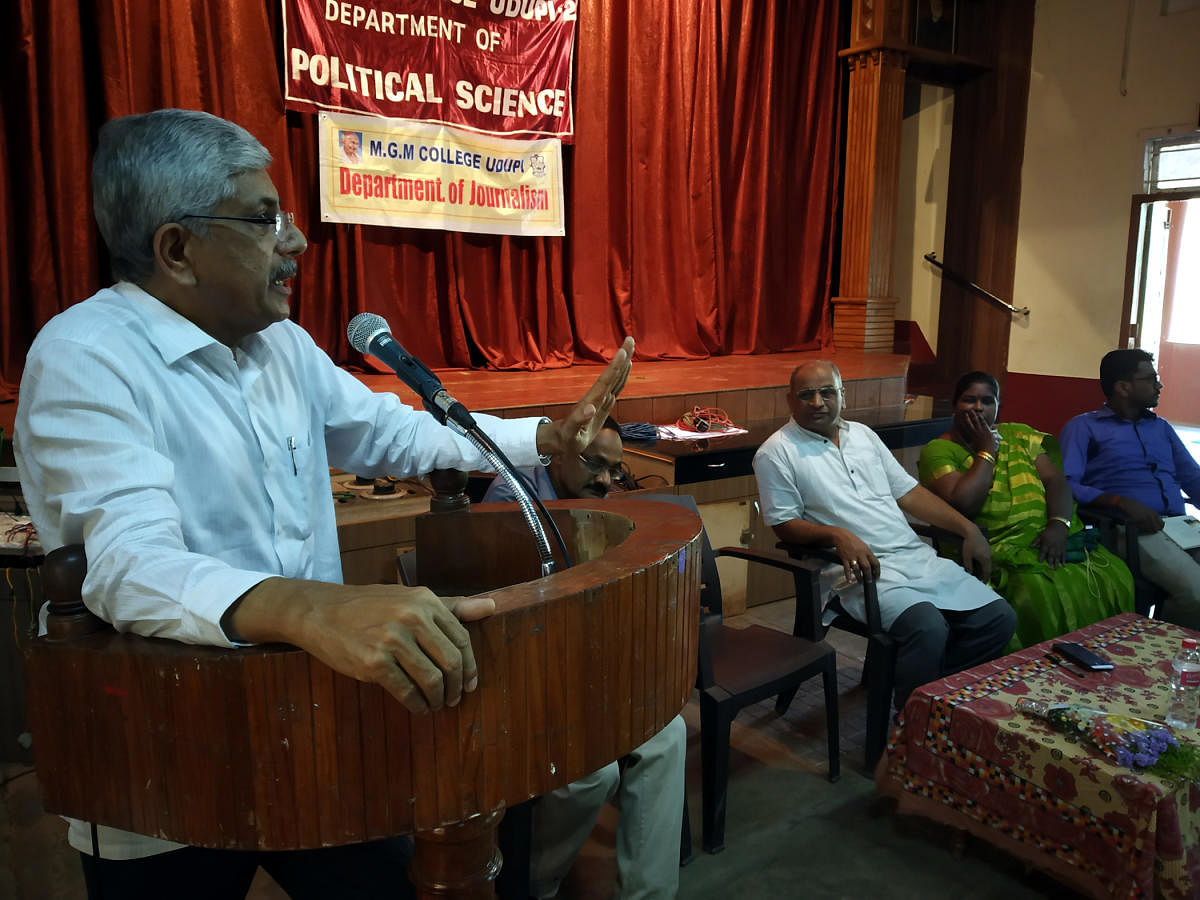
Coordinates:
[371,871]
[933,642]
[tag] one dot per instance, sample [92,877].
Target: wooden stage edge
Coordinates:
[748,388]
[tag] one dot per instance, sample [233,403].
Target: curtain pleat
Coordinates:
[701,184]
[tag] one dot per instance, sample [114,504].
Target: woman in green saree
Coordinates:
[1008,478]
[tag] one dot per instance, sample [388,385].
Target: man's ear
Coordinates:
[173,246]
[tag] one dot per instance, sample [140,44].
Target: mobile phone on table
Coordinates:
[1082,656]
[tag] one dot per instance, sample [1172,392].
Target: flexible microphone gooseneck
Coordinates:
[369,334]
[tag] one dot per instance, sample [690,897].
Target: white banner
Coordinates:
[404,173]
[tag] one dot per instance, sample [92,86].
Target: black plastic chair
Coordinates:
[738,667]
[1148,598]
[879,667]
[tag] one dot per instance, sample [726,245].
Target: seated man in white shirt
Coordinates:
[182,428]
[647,784]
[827,482]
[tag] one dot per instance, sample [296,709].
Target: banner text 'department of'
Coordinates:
[498,66]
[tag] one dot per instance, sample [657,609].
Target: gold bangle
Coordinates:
[983,454]
[1063,519]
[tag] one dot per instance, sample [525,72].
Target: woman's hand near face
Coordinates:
[975,431]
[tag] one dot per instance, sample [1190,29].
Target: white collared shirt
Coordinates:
[855,484]
[192,473]
[807,476]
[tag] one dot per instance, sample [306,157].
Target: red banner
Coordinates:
[499,66]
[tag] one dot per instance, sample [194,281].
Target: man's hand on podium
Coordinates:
[407,640]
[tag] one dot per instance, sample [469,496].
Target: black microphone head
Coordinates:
[363,329]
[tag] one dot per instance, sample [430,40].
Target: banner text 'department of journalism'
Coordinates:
[420,175]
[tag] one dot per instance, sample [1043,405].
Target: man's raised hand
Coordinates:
[573,434]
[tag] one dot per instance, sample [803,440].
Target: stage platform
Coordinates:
[748,388]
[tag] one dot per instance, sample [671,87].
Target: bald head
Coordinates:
[822,368]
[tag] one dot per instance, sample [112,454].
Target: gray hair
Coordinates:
[157,167]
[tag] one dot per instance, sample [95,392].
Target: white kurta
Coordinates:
[803,475]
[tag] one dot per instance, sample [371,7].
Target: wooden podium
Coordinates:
[266,748]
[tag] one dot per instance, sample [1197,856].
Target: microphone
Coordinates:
[369,334]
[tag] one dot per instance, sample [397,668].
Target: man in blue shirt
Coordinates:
[647,784]
[1126,457]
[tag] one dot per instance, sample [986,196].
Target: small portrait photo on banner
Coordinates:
[350,147]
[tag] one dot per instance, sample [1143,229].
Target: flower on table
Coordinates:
[1126,740]
[1131,742]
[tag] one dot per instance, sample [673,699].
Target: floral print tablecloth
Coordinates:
[963,754]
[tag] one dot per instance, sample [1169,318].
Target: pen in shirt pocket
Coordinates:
[291,445]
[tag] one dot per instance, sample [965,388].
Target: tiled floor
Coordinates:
[791,833]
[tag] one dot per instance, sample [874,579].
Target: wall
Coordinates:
[921,213]
[1084,148]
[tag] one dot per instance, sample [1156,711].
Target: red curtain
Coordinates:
[701,186]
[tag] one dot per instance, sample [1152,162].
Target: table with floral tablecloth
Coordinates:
[963,754]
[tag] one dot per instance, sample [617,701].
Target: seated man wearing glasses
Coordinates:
[1125,457]
[646,785]
[826,482]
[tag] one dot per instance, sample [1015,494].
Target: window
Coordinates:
[1172,163]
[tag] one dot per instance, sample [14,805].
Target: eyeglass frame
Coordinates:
[597,467]
[282,220]
[827,393]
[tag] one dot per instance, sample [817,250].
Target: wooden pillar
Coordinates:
[983,200]
[864,315]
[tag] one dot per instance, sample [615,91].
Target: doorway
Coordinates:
[1162,297]
[1164,315]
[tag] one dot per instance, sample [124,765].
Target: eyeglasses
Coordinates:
[827,393]
[282,221]
[597,467]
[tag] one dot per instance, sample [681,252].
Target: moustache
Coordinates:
[285,271]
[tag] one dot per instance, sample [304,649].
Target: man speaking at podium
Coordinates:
[182,428]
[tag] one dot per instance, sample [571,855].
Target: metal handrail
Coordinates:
[959,278]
